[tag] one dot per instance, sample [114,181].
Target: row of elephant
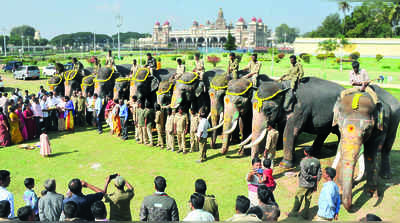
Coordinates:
[245,111]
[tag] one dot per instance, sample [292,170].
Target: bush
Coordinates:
[305,57]
[214,60]
[386,67]
[321,56]
[355,56]
[224,55]
[190,57]
[143,62]
[277,59]
[51,60]
[174,58]
[281,55]
[331,55]
[378,57]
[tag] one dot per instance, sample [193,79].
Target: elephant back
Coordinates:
[209,75]
[188,78]
[164,74]
[105,74]
[239,87]
[141,75]
[164,87]
[124,69]
[219,82]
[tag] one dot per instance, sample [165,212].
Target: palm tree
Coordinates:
[344,6]
[394,16]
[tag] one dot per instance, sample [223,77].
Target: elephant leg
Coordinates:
[241,129]
[319,142]
[385,149]
[370,154]
[292,130]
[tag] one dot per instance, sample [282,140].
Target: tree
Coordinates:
[79,37]
[344,6]
[126,37]
[291,33]
[24,30]
[330,28]
[230,42]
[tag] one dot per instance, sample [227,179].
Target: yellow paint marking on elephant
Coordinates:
[112,72]
[191,81]
[240,93]
[122,79]
[227,100]
[218,87]
[356,100]
[145,77]
[56,84]
[159,92]
[211,94]
[83,85]
[350,128]
[261,100]
[68,74]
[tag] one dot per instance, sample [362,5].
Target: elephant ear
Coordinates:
[335,114]
[154,84]
[199,89]
[379,116]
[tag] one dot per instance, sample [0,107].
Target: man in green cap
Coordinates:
[233,66]
[253,68]
[120,200]
[291,80]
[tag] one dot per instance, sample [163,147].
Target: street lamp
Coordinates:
[5,43]
[94,42]
[22,38]
[119,24]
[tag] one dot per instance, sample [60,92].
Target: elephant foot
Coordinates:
[241,151]
[385,174]
[212,145]
[224,151]
[286,164]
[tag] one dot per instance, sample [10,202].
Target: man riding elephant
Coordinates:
[290,81]
[198,66]
[233,66]
[361,122]
[253,69]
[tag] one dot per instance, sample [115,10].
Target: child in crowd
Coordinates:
[45,149]
[267,177]
[30,197]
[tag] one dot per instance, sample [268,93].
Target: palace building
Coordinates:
[251,35]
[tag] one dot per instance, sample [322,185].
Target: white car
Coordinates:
[49,70]
[25,72]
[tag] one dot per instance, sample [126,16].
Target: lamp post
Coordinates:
[94,42]
[341,54]
[119,24]
[4,40]
[22,38]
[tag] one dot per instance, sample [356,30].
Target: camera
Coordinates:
[259,171]
[113,176]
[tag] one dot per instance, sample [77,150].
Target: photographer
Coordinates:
[120,200]
[254,179]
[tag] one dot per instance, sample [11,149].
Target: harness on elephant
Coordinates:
[240,93]
[196,76]
[55,84]
[83,85]
[259,103]
[123,79]
[105,80]
[160,92]
[137,72]
[356,101]
[217,88]
[67,75]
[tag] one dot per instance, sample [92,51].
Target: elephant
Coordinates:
[87,85]
[56,82]
[144,86]
[105,79]
[121,88]
[361,122]
[73,80]
[164,93]
[312,113]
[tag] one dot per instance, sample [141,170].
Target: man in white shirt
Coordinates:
[97,109]
[89,109]
[45,110]
[5,195]
[202,134]
[197,213]
[52,113]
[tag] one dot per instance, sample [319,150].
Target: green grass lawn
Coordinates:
[91,157]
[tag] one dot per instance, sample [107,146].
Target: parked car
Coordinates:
[25,72]
[68,66]
[12,66]
[49,70]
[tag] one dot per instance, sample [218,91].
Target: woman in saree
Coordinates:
[107,113]
[29,121]
[5,138]
[115,119]
[15,132]
[69,113]
[22,124]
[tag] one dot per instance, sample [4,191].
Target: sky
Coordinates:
[54,17]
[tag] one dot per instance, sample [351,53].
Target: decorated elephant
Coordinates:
[164,93]
[361,123]
[73,80]
[87,85]
[105,79]
[144,86]
[56,82]
[121,88]
[312,113]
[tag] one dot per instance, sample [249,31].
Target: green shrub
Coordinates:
[190,57]
[305,57]
[174,58]
[143,62]
[331,55]
[224,55]
[355,55]
[277,59]
[386,67]
[378,57]
[281,55]
[321,56]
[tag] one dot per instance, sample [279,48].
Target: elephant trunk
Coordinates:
[116,92]
[231,119]
[258,129]
[176,99]
[214,121]
[346,176]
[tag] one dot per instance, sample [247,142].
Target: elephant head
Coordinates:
[87,85]
[188,91]
[104,81]
[56,84]
[73,80]
[121,88]
[237,109]
[356,116]
[218,86]
[143,85]
[164,93]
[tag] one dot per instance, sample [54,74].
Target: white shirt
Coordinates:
[5,195]
[199,215]
[44,106]
[52,102]
[202,128]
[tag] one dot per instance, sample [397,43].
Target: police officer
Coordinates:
[233,66]
[198,66]
[181,125]
[110,60]
[253,68]
[194,123]
[169,128]
[160,121]
[309,176]
[291,81]
[141,124]
[149,120]
[270,145]
[151,63]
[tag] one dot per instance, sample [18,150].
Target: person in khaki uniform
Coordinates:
[180,69]
[210,203]
[141,125]
[160,121]
[97,65]
[110,60]
[80,111]
[169,128]
[233,66]
[149,120]
[181,124]
[194,123]
[291,80]
[134,68]
[198,66]
[253,68]
[133,106]
[270,145]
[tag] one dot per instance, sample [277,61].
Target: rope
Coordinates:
[217,88]
[56,84]
[356,100]
[241,93]
[163,92]
[112,72]
[67,75]
[83,81]
[261,100]
[123,79]
[145,77]
[191,81]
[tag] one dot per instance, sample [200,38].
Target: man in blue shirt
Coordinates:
[97,110]
[84,202]
[329,198]
[123,115]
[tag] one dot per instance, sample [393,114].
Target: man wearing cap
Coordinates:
[149,120]
[309,176]
[253,68]
[291,81]
[194,123]
[181,125]
[233,66]
[120,200]
[202,134]
[151,63]
[198,66]
[169,129]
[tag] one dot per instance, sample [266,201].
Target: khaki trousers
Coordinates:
[149,134]
[194,143]
[160,132]
[306,194]
[270,145]
[142,134]
[203,148]
[171,141]
[181,141]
